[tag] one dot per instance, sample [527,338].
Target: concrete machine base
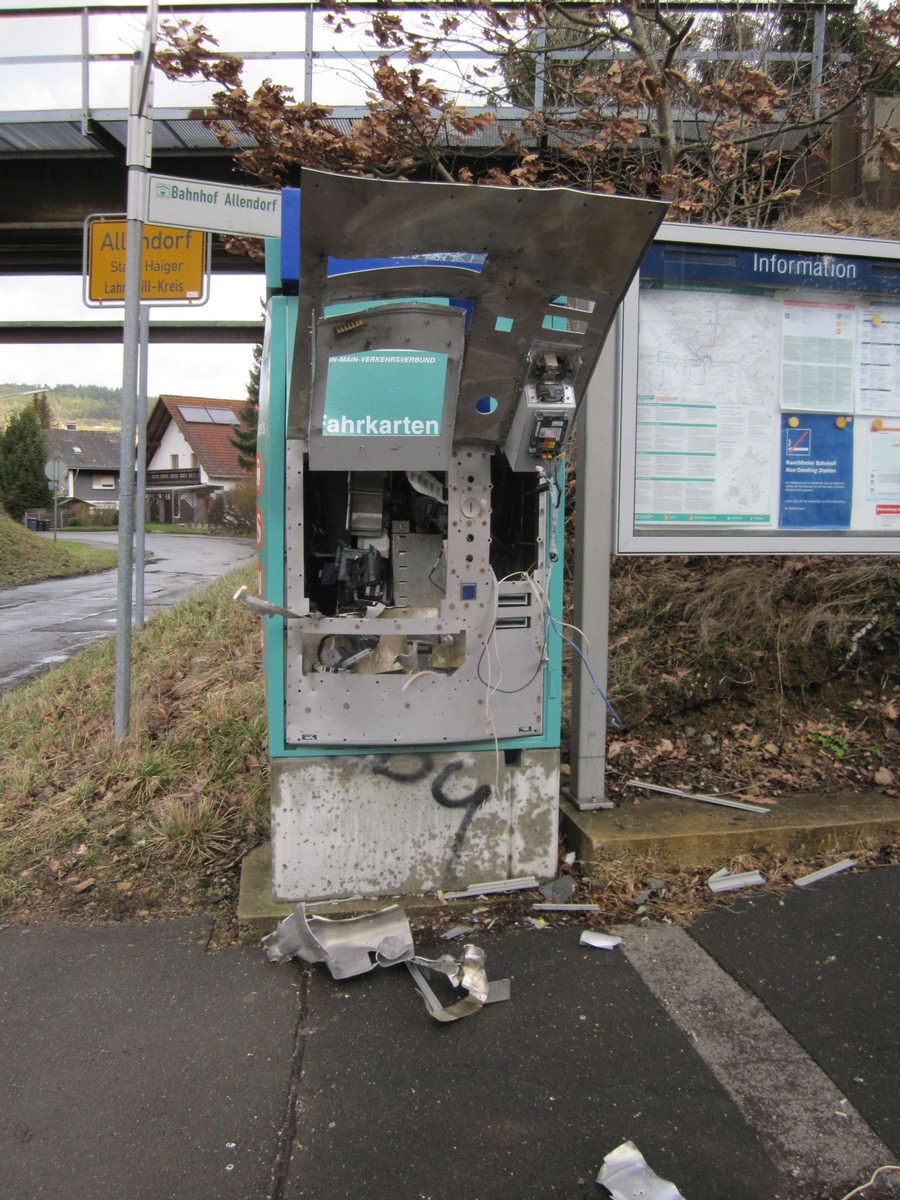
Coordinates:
[383,825]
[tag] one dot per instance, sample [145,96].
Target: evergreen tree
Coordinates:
[23,452]
[42,410]
[244,438]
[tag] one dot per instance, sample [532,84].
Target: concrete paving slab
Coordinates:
[824,960]
[135,1064]
[689,833]
[521,1100]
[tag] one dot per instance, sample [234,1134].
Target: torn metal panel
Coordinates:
[497,886]
[720,800]
[457,931]
[348,947]
[626,1176]
[724,881]
[814,876]
[602,941]
[468,974]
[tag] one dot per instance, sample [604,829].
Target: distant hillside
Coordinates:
[90,406]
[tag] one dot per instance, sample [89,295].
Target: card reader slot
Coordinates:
[522,622]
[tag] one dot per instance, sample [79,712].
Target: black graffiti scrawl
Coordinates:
[422,770]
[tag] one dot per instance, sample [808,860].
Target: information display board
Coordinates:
[760,395]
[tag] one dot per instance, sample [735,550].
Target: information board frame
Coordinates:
[805,277]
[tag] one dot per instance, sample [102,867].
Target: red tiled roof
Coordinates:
[211,443]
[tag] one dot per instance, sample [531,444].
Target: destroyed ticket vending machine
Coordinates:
[426,350]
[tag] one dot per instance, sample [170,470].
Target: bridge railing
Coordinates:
[69,62]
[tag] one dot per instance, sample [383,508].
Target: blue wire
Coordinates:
[617,720]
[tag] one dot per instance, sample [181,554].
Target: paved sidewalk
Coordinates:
[134,1063]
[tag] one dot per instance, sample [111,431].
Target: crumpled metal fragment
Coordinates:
[349,946]
[469,974]
[626,1176]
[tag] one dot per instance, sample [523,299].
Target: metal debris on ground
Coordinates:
[814,876]
[549,907]
[720,800]
[469,974]
[559,891]
[602,941]
[626,1176]
[497,886]
[724,881]
[350,946]
[457,931]
[356,945]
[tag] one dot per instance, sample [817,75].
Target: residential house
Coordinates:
[190,459]
[92,478]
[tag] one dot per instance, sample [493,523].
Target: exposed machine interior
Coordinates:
[442,351]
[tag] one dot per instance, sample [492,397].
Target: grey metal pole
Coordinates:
[140,133]
[140,501]
[593,551]
[817,69]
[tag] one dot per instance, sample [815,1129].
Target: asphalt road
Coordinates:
[45,623]
[751,1056]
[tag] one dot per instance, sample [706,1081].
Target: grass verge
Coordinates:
[95,829]
[26,558]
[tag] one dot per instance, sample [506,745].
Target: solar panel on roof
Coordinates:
[222,416]
[195,416]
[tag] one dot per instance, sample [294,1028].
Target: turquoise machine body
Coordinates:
[426,350]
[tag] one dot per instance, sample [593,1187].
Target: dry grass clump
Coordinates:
[93,826]
[847,217]
[702,629]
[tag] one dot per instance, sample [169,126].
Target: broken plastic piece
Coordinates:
[724,881]
[844,865]
[486,889]
[626,1176]
[457,931]
[469,974]
[603,941]
[653,787]
[559,891]
[570,858]
[348,947]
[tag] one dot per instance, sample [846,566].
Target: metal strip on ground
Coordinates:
[810,1130]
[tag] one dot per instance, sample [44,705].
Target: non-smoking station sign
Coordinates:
[173,263]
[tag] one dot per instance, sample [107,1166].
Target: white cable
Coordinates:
[862,1187]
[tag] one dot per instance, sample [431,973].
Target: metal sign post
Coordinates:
[56,471]
[140,137]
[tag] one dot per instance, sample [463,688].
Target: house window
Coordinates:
[103,483]
[173,462]
[194,461]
